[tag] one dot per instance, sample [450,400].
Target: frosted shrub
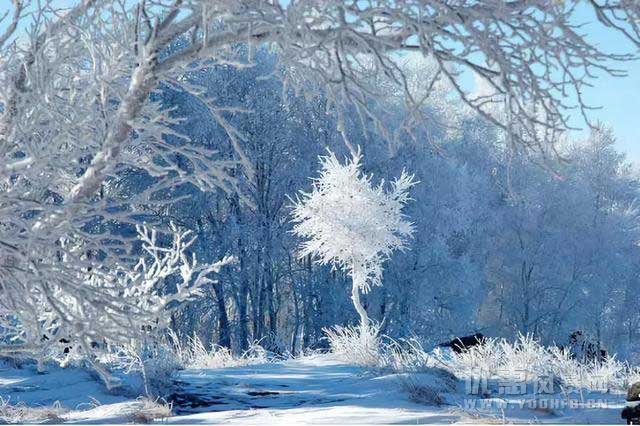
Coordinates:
[525,357]
[365,346]
[609,374]
[497,359]
[357,345]
[633,376]
[195,354]
[564,366]
[408,355]
[155,362]
[528,360]
[124,294]
[480,361]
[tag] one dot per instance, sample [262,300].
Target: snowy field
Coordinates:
[316,390]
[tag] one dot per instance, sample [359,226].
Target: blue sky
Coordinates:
[620,102]
[619,98]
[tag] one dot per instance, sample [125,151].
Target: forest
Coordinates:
[502,245]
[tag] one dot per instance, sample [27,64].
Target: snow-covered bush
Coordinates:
[153,362]
[349,223]
[364,346]
[525,359]
[407,356]
[357,345]
[525,355]
[193,353]
[528,360]
[482,361]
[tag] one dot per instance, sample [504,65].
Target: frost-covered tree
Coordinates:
[349,223]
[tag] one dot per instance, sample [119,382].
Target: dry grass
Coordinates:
[194,354]
[147,410]
[20,413]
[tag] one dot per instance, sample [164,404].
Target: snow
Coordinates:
[73,387]
[318,389]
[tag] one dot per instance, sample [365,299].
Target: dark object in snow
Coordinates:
[189,403]
[632,410]
[67,347]
[584,348]
[461,344]
[262,393]
[321,346]
[66,343]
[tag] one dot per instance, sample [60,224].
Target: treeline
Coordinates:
[505,242]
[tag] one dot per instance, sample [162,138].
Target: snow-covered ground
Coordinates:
[317,389]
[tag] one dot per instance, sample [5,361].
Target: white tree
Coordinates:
[351,224]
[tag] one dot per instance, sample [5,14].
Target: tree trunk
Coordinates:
[243,317]
[355,297]
[272,313]
[224,338]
